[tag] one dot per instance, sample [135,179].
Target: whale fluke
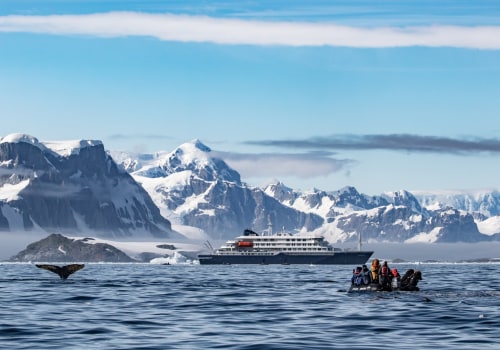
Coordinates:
[62,271]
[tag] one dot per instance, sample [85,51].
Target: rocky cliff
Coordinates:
[72,187]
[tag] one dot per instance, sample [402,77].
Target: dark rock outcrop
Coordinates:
[58,248]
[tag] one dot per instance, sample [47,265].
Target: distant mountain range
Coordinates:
[78,188]
[193,188]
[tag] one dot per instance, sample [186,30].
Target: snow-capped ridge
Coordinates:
[19,137]
[194,187]
[23,138]
[280,191]
[403,197]
[200,145]
[484,202]
[61,148]
[71,147]
[64,188]
[193,156]
[192,152]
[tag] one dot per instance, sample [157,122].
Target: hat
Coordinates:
[394,272]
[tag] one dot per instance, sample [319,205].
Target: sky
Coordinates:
[379,95]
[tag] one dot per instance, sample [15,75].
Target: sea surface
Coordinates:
[147,306]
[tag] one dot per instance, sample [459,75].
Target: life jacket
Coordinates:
[375,270]
[367,275]
[358,280]
[385,277]
[396,282]
[357,277]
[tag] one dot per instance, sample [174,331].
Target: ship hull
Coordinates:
[337,258]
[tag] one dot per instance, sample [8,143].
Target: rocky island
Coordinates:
[58,248]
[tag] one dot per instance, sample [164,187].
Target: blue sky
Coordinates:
[380,95]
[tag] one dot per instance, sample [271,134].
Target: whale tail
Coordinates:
[62,271]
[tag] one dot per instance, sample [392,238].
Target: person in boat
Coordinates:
[412,281]
[367,275]
[375,270]
[385,277]
[357,277]
[396,279]
[406,278]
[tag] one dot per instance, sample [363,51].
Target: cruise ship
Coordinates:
[282,248]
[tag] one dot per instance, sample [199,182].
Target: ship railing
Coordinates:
[239,253]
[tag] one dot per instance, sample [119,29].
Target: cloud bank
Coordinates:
[394,142]
[303,166]
[184,28]
[127,137]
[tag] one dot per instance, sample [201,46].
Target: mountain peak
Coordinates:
[279,191]
[23,138]
[193,151]
[200,145]
[194,146]
[18,137]
[193,156]
[278,185]
[403,197]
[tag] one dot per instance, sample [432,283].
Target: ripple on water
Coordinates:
[242,307]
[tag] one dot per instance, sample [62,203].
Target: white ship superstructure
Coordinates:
[281,248]
[251,242]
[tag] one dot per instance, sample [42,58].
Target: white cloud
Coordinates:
[276,164]
[185,28]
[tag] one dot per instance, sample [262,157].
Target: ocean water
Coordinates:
[146,306]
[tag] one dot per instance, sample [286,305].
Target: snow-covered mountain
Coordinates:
[191,187]
[391,217]
[483,203]
[73,187]
[325,204]
[76,187]
[194,188]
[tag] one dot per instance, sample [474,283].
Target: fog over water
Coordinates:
[435,251]
[12,243]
